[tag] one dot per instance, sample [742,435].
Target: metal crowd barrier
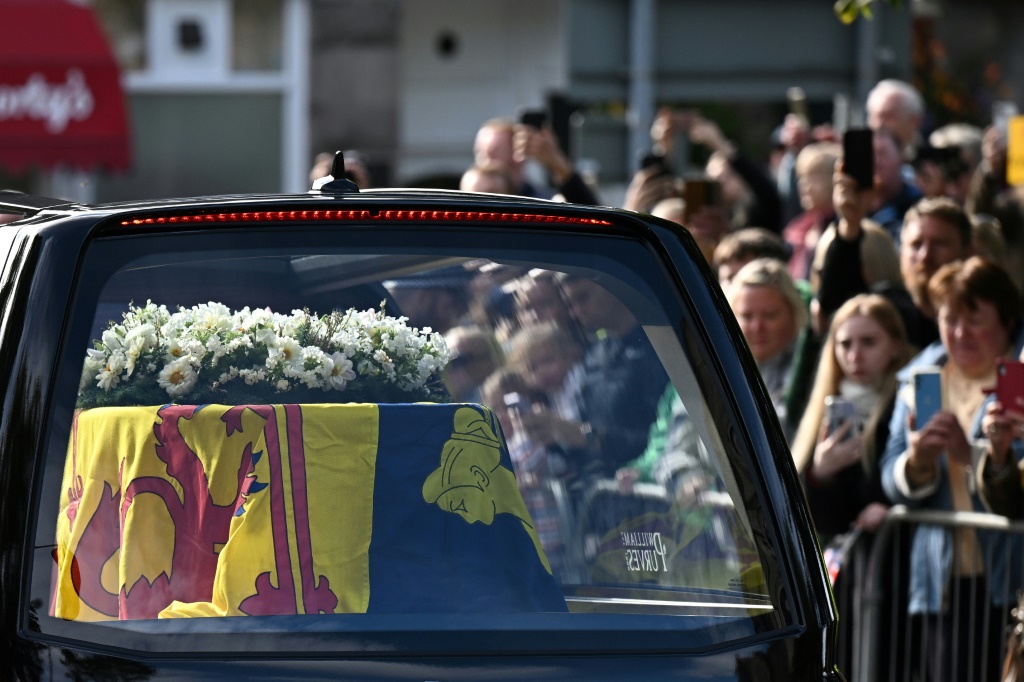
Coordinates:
[879,641]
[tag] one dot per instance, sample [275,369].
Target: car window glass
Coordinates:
[327,432]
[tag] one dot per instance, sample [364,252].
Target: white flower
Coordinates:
[291,351]
[111,339]
[174,351]
[282,385]
[341,371]
[177,378]
[266,336]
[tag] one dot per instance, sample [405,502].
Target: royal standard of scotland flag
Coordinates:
[184,511]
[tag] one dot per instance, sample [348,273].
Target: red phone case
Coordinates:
[1010,383]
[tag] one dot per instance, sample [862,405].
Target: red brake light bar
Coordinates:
[306,215]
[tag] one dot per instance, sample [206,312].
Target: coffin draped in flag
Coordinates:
[183,511]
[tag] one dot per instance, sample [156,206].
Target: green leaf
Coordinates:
[847,10]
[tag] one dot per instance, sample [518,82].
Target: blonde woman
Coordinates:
[815,165]
[772,315]
[865,347]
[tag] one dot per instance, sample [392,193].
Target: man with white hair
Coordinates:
[896,106]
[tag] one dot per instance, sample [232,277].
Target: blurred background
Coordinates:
[231,96]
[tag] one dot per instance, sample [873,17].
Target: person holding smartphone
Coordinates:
[931,464]
[511,144]
[839,459]
[750,196]
[1000,484]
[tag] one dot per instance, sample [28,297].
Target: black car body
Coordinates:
[741,595]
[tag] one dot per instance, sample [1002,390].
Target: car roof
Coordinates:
[29,203]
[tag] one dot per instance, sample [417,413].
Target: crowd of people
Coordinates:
[843,292]
[843,302]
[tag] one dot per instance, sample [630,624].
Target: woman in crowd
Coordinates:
[866,345]
[772,315]
[814,168]
[957,577]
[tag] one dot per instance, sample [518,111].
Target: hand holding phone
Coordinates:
[1010,384]
[859,156]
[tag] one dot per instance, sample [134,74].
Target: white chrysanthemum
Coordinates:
[110,372]
[116,362]
[175,351]
[107,379]
[282,385]
[178,377]
[286,352]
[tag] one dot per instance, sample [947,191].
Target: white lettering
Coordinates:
[660,550]
[56,104]
[645,559]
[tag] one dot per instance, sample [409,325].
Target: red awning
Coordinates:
[60,89]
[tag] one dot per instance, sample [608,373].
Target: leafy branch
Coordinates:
[849,11]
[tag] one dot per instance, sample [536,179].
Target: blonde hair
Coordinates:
[767,272]
[829,375]
[543,335]
[818,157]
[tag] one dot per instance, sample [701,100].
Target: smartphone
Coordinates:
[534,118]
[927,395]
[1009,383]
[700,191]
[859,156]
[1002,111]
[838,411]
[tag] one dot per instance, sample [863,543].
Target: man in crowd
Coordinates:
[502,142]
[896,106]
[936,231]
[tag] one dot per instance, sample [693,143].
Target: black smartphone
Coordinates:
[657,162]
[534,118]
[859,156]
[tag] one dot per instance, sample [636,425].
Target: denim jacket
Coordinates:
[932,550]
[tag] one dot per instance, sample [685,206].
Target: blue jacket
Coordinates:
[932,550]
